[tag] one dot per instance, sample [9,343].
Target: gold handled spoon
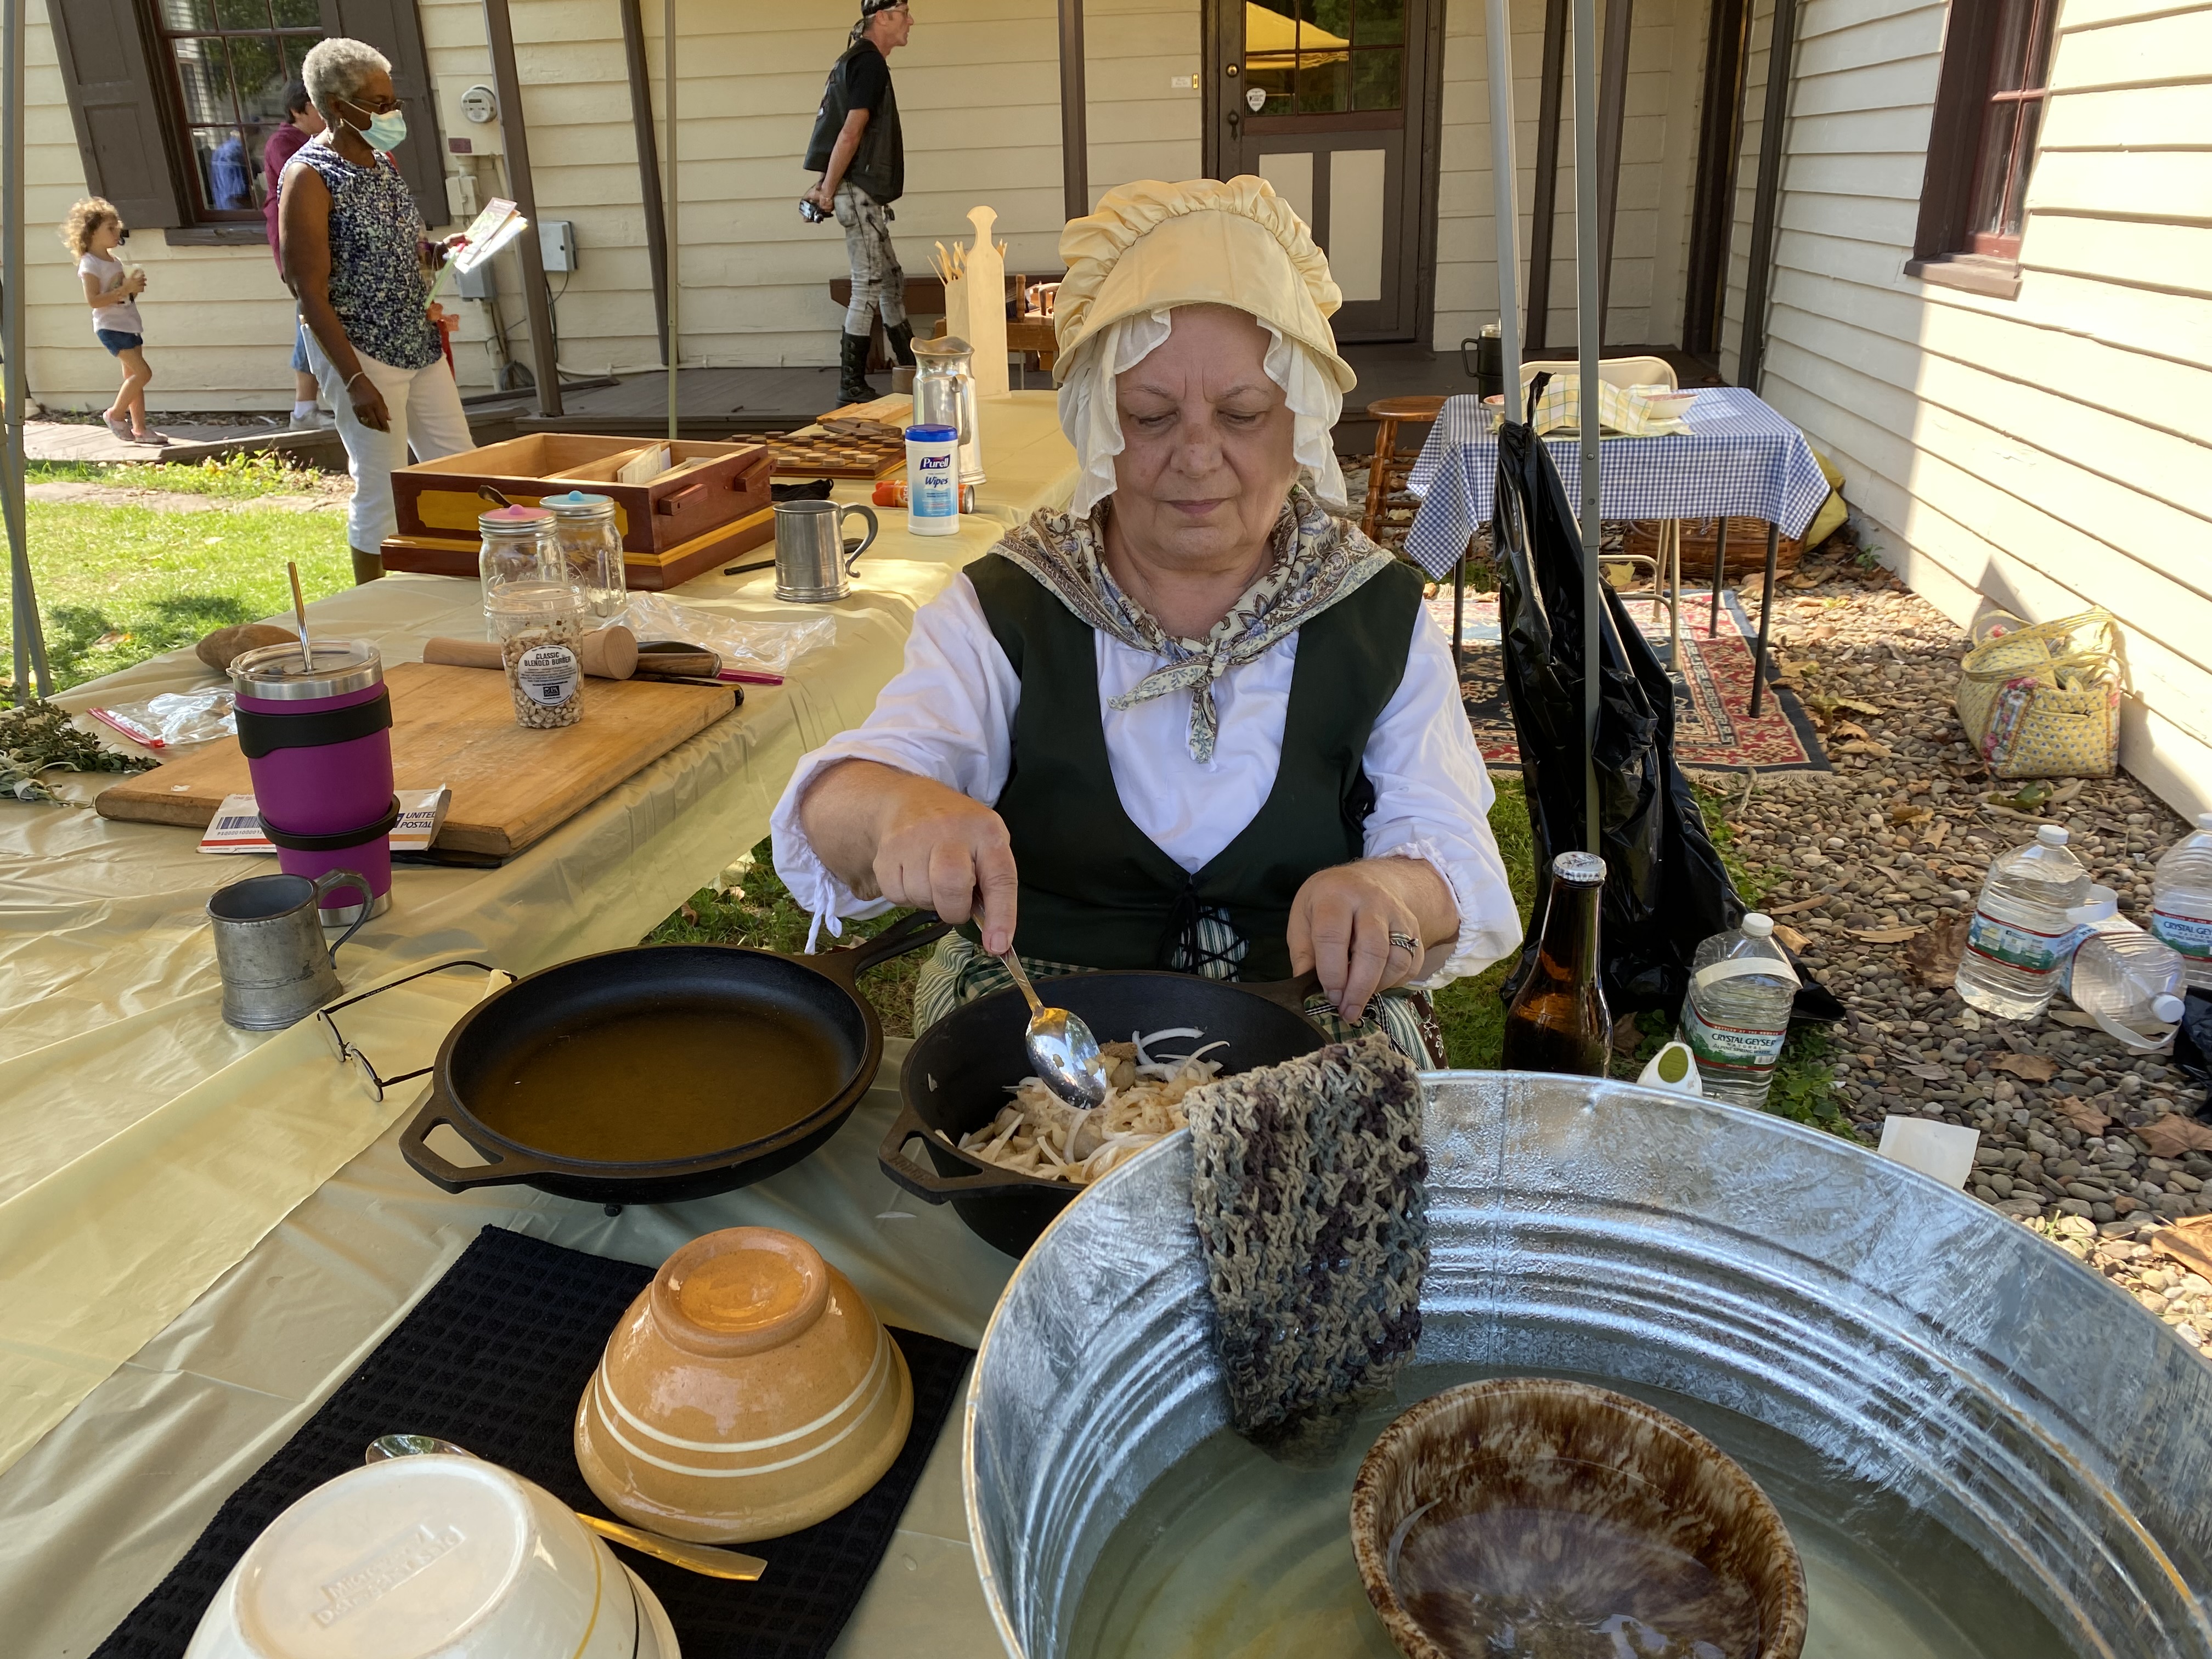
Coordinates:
[698,1558]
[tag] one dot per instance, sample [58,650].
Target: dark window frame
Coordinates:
[1948,249]
[179,127]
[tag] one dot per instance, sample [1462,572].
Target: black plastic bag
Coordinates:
[1665,888]
[2192,1043]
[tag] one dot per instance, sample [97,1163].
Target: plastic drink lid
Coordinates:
[512,519]
[2167,1007]
[1756,924]
[2051,834]
[332,668]
[577,504]
[2205,821]
[931,434]
[389,1561]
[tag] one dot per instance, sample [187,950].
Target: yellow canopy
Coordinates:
[1273,40]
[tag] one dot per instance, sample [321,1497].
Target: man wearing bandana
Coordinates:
[1194,719]
[860,154]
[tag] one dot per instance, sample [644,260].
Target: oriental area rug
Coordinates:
[1712,688]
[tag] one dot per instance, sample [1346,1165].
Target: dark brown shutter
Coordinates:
[392,27]
[109,73]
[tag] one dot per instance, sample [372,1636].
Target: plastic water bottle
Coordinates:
[2123,978]
[2181,901]
[1736,1015]
[2020,933]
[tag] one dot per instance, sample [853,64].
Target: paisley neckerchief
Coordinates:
[1320,558]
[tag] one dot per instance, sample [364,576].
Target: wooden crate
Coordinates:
[672,528]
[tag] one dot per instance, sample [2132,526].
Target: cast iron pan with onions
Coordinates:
[957,1073]
[661,1072]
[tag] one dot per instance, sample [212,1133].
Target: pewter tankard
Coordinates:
[268,948]
[812,563]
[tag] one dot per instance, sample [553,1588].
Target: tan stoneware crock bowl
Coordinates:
[748,1392]
[1555,1505]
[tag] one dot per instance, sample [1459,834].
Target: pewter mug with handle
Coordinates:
[268,948]
[813,562]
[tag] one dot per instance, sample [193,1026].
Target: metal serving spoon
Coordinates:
[1060,1046]
[699,1558]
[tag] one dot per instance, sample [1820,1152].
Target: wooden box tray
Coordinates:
[456,726]
[672,527]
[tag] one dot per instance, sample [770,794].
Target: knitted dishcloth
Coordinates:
[1310,1184]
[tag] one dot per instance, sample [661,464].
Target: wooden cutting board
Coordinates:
[456,726]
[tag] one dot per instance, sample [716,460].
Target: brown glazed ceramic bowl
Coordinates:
[1538,1511]
[748,1392]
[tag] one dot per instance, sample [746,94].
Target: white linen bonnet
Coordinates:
[1149,247]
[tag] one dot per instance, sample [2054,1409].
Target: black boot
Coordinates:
[900,335]
[852,385]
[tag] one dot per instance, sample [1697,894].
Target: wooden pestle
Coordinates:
[606,653]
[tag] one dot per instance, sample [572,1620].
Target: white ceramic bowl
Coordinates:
[431,1558]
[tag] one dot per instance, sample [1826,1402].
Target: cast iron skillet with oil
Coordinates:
[957,1073]
[659,1073]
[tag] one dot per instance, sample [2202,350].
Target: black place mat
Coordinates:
[495,1358]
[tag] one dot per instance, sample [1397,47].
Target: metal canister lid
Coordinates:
[1583,869]
[281,674]
[514,521]
[576,504]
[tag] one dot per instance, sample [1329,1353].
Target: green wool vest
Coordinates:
[1095,889]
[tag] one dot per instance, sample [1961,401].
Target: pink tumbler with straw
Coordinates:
[315,724]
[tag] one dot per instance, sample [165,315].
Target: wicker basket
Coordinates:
[1747,547]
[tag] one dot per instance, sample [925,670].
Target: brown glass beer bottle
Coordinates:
[1558,1021]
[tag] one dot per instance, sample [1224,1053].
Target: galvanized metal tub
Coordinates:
[1940,1349]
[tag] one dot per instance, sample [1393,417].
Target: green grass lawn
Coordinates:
[118,584]
[239,477]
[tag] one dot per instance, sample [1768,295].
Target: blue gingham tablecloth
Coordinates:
[1740,458]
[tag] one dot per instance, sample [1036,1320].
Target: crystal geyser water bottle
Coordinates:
[2021,932]
[1736,1015]
[2181,901]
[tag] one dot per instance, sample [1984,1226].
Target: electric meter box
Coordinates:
[468,116]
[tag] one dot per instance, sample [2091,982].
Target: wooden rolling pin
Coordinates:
[606,653]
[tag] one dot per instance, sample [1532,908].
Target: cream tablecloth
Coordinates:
[146,1148]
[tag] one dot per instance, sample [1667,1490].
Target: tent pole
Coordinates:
[30,641]
[1613,108]
[1498,39]
[674,286]
[1587,326]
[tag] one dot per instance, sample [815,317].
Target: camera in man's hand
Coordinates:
[808,211]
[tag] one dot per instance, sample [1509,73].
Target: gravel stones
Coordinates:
[1898,836]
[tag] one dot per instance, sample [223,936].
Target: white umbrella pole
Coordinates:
[1497,29]
[1587,324]
[30,641]
[668,76]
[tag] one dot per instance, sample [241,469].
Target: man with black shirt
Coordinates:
[862,157]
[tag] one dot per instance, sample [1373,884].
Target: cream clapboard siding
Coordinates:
[979,94]
[1659,155]
[218,320]
[2046,452]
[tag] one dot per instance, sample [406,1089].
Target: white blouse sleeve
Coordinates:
[948,715]
[1432,798]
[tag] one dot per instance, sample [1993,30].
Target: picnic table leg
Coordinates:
[1766,618]
[1720,569]
[1459,610]
[1674,595]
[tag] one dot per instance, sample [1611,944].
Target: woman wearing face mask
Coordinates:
[352,249]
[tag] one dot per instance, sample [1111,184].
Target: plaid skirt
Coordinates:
[957,972]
